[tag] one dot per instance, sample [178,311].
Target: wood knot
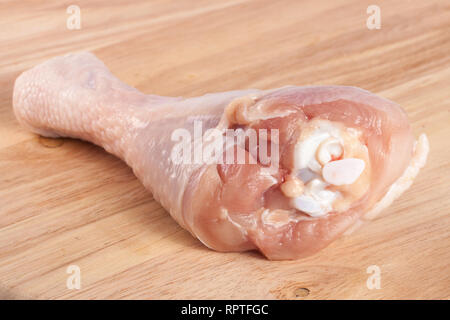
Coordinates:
[291,291]
[301,292]
[51,142]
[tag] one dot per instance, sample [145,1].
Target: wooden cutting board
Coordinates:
[68,203]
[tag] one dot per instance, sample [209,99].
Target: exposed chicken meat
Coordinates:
[324,158]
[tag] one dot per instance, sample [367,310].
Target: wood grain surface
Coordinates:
[66,202]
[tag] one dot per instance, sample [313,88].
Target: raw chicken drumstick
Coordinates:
[341,154]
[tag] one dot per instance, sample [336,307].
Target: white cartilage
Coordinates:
[341,172]
[316,200]
[316,166]
[328,149]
